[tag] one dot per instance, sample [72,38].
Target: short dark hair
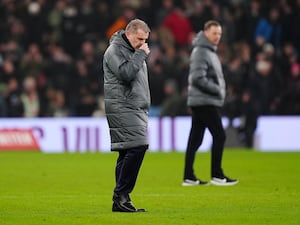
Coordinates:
[136,24]
[211,23]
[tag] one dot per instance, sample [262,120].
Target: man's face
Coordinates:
[137,39]
[214,34]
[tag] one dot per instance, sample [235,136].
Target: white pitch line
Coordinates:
[80,195]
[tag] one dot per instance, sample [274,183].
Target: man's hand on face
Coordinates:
[145,48]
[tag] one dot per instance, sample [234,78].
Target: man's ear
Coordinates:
[127,34]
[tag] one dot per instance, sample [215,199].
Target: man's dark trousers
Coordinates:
[205,117]
[127,169]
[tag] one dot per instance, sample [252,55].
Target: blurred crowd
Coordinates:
[51,54]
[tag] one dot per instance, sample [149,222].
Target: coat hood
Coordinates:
[201,40]
[117,38]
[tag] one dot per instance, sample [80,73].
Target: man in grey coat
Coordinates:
[206,93]
[127,101]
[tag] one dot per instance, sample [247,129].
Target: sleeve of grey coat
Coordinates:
[127,69]
[198,73]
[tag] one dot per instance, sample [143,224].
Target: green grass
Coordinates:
[59,189]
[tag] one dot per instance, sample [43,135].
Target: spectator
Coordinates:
[14,105]
[55,19]
[291,94]
[3,112]
[83,100]
[59,68]
[71,31]
[57,106]
[179,25]
[36,21]
[128,14]
[7,71]
[234,76]
[30,98]
[260,97]
[156,83]
[32,62]
[199,16]
[270,29]
[164,10]
[103,19]
[172,102]
[12,51]
[247,23]
[289,56]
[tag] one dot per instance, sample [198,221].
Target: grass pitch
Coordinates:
[66,189]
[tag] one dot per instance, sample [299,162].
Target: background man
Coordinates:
[206,93]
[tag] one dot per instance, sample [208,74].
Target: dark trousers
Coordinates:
[127,169]
[205,117]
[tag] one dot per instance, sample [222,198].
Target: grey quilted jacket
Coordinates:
[206,79]
[126,93]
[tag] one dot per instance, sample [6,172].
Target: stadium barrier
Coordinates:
[165,134]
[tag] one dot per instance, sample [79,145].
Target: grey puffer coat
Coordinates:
[126,93]
[206,79]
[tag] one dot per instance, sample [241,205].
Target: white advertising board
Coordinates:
[278,133]
[165,134]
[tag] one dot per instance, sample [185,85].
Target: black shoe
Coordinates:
[122,203]
[194,182]
[223,181]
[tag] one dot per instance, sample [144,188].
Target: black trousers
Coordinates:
[127,169]
[205,117]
